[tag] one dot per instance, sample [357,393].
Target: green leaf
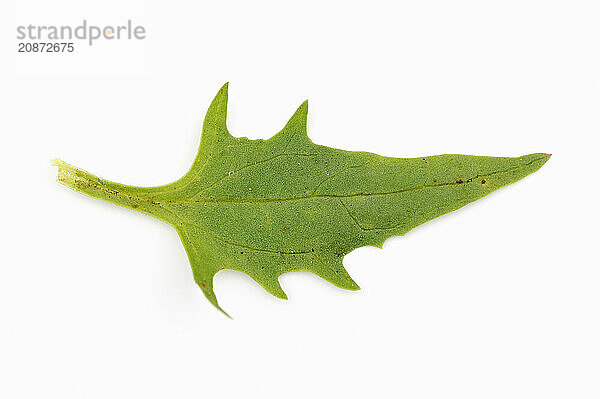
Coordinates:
[268,207]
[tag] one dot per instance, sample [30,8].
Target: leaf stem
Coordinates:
[93,186]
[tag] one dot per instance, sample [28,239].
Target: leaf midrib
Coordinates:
[327,196]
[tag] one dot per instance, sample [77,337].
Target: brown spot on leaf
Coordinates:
[483,181]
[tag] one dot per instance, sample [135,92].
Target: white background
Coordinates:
[500,299]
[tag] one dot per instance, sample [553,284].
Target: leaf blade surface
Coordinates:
[268,207]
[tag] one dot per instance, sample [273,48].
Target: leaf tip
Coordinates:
[210,295]
[302,111]
[225,313]
[220,101]
[539,159]
[224,88]
[544,156]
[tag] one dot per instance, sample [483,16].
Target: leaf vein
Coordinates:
[266,200]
